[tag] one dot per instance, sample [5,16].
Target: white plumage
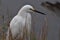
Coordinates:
[20,21]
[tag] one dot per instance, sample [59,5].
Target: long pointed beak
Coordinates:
[38,12]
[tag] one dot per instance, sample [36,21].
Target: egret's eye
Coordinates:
[31,9]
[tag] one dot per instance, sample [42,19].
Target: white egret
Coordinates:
[22,20]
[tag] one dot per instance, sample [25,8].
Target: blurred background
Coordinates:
[9,8]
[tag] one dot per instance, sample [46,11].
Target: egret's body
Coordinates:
[21,21]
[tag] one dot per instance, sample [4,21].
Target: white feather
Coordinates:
[21,20]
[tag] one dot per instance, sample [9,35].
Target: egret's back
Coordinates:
[18,23]
[21,21]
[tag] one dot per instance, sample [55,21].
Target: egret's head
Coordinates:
[29,8]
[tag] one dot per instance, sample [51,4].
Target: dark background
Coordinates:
[13,7]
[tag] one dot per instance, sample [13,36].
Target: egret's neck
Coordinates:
[22,13]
